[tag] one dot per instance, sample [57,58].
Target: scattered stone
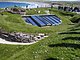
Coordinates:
[38,37]
[42,35]
[21,37]
[39,11]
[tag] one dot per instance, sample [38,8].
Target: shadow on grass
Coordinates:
[72,38]
[70,33]
[71,24]
[75,29]
[75,46]
[52,59]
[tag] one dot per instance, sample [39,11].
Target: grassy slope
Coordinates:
[14,22]
[35,11]
[46,48]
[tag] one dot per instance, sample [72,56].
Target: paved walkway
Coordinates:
[3,41]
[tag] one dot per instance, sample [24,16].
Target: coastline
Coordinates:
[30,4]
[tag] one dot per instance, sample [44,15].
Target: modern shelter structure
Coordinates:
[42,20]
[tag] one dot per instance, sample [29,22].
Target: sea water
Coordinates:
[12,4]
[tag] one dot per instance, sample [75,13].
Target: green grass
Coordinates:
[55,46]
[14,22]
[35,11]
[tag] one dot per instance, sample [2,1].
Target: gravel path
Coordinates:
[3,41]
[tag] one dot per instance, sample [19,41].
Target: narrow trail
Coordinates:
[3,41]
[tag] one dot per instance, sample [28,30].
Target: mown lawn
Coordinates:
[63,42]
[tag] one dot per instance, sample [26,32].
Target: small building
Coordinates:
[55,5]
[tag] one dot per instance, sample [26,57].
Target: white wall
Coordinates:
[38,4]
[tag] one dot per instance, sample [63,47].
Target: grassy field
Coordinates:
[63,42]
[35,11]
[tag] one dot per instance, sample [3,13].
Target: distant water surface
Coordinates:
[11,4]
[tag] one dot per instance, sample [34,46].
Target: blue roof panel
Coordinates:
[32,22]
[49,22]
[43,20]
[54,23]
[38,21]
[54,19]
[58,19]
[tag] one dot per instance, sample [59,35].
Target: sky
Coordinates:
[39,0]
[64,0]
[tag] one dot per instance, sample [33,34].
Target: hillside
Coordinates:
[62,44]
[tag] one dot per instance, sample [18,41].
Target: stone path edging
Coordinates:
[3,41]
